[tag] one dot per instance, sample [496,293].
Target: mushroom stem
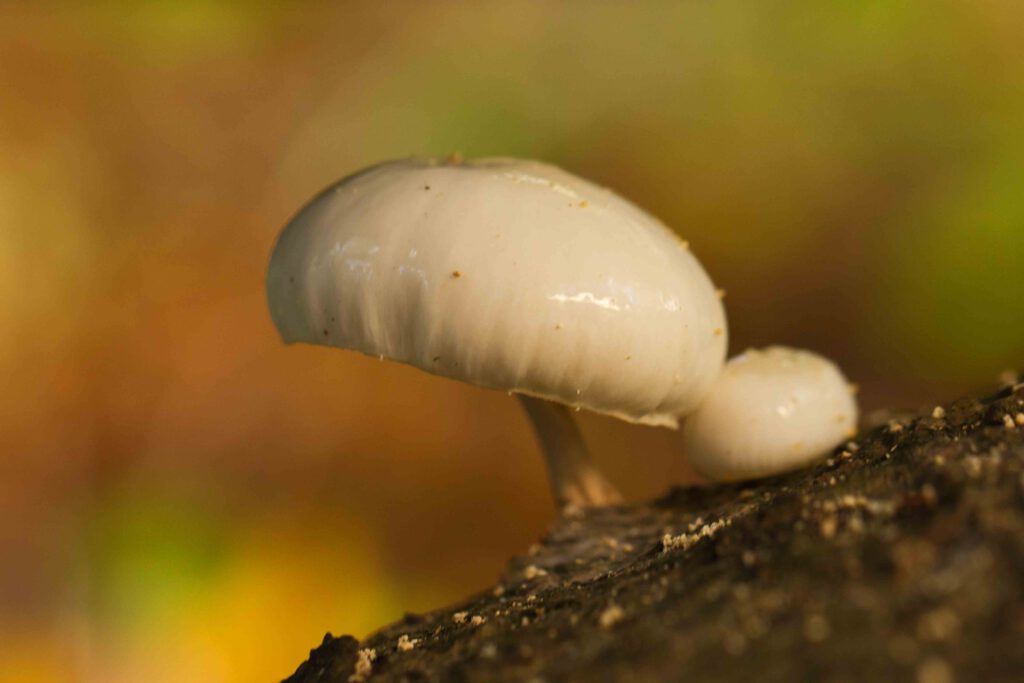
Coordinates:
[575,480]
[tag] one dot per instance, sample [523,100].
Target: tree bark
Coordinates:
[901,557]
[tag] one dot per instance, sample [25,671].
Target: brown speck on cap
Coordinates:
[426,187]
[456,273]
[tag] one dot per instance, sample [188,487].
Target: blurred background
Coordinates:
[183,498]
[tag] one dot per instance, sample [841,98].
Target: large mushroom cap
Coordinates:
[509,274]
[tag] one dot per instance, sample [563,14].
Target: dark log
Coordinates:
[899,558]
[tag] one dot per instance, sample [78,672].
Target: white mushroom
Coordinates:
[770,411]
[513,275]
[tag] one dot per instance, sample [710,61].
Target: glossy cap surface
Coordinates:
[770,411]
[504,273]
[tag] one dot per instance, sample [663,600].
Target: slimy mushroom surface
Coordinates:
[508,274]
[511,275]
[770,411]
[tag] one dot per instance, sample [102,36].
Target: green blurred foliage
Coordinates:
[149,552]
[950,294]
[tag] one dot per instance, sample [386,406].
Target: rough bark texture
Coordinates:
[899,558]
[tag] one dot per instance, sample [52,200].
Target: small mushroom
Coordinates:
[512,275]
[770,411]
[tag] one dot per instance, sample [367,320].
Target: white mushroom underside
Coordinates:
[770,411]
[513,275]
